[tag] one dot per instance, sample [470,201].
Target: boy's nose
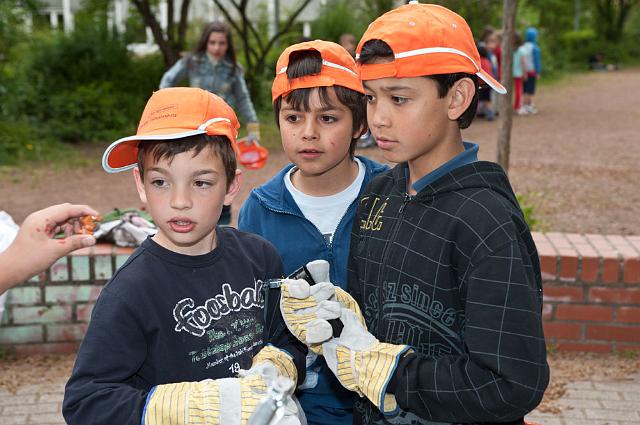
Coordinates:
[180,199]
[310,131]
[378,117]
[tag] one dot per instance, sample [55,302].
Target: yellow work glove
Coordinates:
[253,131]
[226,401]
[306,308]
[362,363]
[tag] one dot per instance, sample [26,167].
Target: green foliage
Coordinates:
[528,210]
[80,87]
[628,354]
[19,142]
[338,17]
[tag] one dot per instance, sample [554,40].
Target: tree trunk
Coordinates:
[505,107]
[170,50]
[256,46]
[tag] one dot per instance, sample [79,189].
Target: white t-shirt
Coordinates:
[325,212]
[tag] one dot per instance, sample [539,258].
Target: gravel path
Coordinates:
[577,161]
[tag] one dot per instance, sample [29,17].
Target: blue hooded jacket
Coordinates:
[531,36]
[271,212]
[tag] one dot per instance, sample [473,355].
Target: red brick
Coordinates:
[615,295]
[584,313]
[547,311]
[53,348]
[539,238]
[562,330]
[82,252]
[102,249]
[613,333]
[634,241]
[559,241]
[592,348]
[589,266]
[562,293]
[610,269]
[548,267]
[602,246]
[581,244]
[122,250]
[568,266]
[629,314]
[631,267]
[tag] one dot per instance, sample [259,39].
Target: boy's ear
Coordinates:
[461,95]
[359,132]
[140,185]
[234,188]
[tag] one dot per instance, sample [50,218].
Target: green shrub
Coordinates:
[84,86]
[528,210]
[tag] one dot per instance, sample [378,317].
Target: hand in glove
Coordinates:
[227,401]
[306,308]
[362,363]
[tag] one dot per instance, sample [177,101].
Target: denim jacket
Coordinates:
[218,79]
[271,212]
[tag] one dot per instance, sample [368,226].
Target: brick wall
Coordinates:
[591,292]
[50,312]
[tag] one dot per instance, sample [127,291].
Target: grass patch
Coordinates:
[529,207]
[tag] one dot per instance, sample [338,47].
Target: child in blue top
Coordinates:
[307,209]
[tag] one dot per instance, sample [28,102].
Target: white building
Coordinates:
[61,12]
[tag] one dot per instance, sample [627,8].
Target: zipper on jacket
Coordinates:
[406,198]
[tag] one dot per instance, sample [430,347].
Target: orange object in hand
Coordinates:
[251,154]
[89,224]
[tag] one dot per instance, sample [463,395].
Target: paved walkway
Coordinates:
[595,402]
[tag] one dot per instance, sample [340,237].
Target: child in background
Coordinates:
[534,69]
[307,209]
[485,108]
[187,305]
[519,73]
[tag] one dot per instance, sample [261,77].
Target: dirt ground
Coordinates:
[576,161]
[16,373]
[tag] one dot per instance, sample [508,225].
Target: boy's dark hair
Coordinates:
[378,49]
[163,149]
[309,62]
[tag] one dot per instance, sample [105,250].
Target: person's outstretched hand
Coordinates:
[34,248]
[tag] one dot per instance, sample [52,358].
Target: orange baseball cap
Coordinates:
[338,69]
[174,113]
[426,39]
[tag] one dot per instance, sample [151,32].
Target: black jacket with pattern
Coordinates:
[454,273]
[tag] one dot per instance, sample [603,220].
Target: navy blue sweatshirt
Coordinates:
[454,273]
[166,318]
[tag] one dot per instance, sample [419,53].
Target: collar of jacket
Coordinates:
[274,195]
[479,174]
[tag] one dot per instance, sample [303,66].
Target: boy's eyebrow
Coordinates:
[389,88]
[195,173]
[323,109]
[205,171]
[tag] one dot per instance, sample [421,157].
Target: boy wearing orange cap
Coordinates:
[307,209]
[442,262]
[188,304]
